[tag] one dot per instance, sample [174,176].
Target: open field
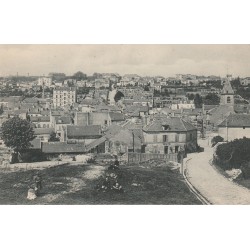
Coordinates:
[149,183]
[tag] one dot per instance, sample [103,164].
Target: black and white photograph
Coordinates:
[105,127]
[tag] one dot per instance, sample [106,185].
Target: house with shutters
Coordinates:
[165,135]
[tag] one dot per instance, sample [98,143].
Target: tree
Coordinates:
[198,101]
[236,82]
[53,137]
[79,76]
[216,139]
[212,99]
[190,96]
[17,134]
[233,154]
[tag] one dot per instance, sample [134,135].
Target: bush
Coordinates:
[233,154]
[33,156]
[216,139]
[245,169]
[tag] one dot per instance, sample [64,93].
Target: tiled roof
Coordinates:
[41,131]
[209,107]
[62,147]
[63,120]
[173,124]
[241,108]
[31,100]
[11,99]
[236,120]
[83,131]
[116,116]
[135,110]
[45,112]
[90,101]
[95,143]
[36,143]
[40,119]
[57,112]
[217,115]
[18,112]
[112,130]
[196,111]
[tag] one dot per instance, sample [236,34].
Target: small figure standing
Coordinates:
[38,182]
[116,163]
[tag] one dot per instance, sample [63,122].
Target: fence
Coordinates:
[142,157]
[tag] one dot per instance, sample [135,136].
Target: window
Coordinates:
[176,137]
[165,138]
[165,127]
[228,99]
[176,149]
[105,122]
[155,138]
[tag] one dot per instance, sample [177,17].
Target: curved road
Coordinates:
[210,183]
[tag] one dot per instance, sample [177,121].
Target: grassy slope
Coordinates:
[159,185]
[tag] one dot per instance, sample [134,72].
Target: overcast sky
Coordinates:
[165,60]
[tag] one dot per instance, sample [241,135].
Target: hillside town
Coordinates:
[130,118]
[141,114]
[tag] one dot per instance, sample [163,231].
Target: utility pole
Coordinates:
[227,129]
[133,141]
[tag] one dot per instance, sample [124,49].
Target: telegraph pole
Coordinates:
[133,141]
[227,129]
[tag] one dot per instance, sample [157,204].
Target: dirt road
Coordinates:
[210,183]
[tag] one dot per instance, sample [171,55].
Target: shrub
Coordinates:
[233,154]
[33,156]
[216,139]
[245,169]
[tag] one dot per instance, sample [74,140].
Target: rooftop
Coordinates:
[40,119]
[172,124]
[41,131]
[63,120]
[236,120]
[116,116]
[83,131]
[62,147]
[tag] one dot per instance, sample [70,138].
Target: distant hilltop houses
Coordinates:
[108,113]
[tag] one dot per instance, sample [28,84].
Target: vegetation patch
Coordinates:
[233,154]
[147,183]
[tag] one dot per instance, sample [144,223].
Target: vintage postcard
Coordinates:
[124,124]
